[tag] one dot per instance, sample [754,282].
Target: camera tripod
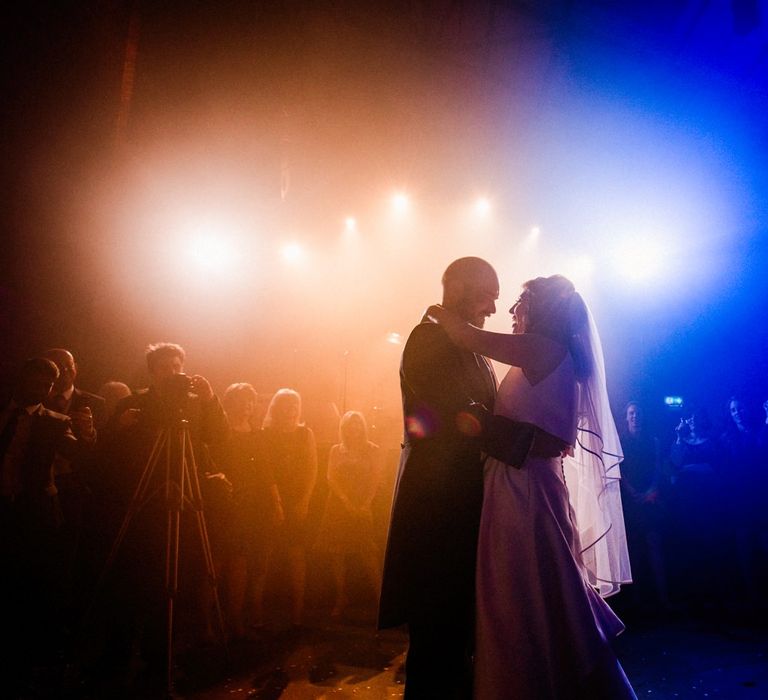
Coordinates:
[173,457]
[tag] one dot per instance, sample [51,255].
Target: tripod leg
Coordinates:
[172,586]
[196,499]
[174,505]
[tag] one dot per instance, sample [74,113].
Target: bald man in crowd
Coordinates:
[429,569]
[86,410]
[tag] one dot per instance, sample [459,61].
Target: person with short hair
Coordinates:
[85,409]
[146,431]
[428,580]
[256,509]
[74,480]
[172,396]
[31,436]
[113,391]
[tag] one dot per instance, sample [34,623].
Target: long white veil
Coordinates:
[592,475]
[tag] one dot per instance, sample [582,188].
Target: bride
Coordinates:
[552,541]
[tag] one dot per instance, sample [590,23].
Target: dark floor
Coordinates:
[693,660]
[672,660]
[345,658]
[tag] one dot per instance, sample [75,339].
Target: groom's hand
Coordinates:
[435,313]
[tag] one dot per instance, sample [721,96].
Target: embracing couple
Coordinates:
[506,530]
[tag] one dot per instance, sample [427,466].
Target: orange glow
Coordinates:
[283,189]
[468,424]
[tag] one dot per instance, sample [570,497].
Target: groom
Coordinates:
[429,567]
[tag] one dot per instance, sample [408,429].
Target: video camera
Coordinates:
[176,391]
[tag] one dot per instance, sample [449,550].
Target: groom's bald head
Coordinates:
[470,288]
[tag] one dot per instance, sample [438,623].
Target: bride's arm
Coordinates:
[536,354]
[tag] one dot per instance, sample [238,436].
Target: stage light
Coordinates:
[400,202]
[482,206]
[640,260]
[394,338]
[212,252]
[535,231]
[292,252]
[350,224]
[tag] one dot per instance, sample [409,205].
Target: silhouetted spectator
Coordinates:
[146,434]
[87,414]
[697,513]
[291,453]
[641,477]
[354,476]
[746,492]
[256,509]
[31,438]
[113,392]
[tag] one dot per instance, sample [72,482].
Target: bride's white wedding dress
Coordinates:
[543,630]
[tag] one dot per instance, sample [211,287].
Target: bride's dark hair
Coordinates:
[557,311]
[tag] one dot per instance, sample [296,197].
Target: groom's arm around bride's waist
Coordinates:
[508,440]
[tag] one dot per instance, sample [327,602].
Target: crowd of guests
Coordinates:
[91,482]
[100,491]
[695,512]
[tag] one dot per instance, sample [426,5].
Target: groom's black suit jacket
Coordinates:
[429,565]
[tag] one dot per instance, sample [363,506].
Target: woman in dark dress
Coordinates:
[290,452]
[256,508]
[354,476]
